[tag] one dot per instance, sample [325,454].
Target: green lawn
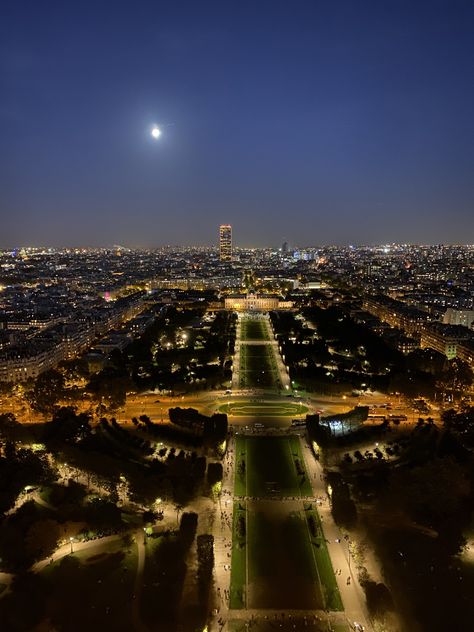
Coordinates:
[323,561]
[253,330]
[264,409]
[297,455]
[104,579]
[282,572]
[240,478]
[286,565]
[238,576]
[258,367]
[270,467]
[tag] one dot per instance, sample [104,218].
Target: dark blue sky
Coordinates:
[311,121]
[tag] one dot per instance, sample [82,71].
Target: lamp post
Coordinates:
[71,540]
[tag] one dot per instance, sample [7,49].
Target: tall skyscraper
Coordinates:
[225,242]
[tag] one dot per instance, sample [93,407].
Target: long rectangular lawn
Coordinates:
[257,367]
[324,564]
[286,566]
[267,467]
[253,330]
[282,571]
[238,576]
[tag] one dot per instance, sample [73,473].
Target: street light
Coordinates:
[71,540]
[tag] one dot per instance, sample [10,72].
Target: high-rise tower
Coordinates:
[225,242]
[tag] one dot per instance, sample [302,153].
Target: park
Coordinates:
[279,556]
[258,367]
[253,329]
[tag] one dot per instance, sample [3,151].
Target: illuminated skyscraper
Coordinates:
[225,242]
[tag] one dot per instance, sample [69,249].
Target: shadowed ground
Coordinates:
[282,572]
[270,467]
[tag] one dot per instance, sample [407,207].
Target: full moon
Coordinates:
[156,132]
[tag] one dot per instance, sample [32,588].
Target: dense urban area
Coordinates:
[229,439]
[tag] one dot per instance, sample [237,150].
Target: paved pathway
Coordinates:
[282,369]
[137,589]
[65,549]
[352,594]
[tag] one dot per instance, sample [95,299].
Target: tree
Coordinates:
[379,599]
[215,473]
[179,508]
[432,492]
[8,425]
[47,391]
[205,553]
[6,388]
[42,538]
[103,514]
[427,361]
[343,507]
[67,426]
[109,388]
[188,528]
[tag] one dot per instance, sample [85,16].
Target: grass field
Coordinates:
[105,576]
[258,367]
[281,551]
[238,577]
[323,562]
[271,467]
[253,330]
[245,408]
[282,572]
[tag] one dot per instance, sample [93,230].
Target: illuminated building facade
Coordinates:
[255,302]
[225,242]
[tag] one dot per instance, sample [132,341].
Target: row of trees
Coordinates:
[118,432]
[213,429]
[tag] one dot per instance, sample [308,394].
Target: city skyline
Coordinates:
[174,419]
[323,124]
[237,316]
[214,245]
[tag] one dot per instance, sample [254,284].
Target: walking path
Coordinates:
[282,369]
[236,358]
[137,589]
[73,547]
[352,593]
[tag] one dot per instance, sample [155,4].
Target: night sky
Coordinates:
[307,121]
